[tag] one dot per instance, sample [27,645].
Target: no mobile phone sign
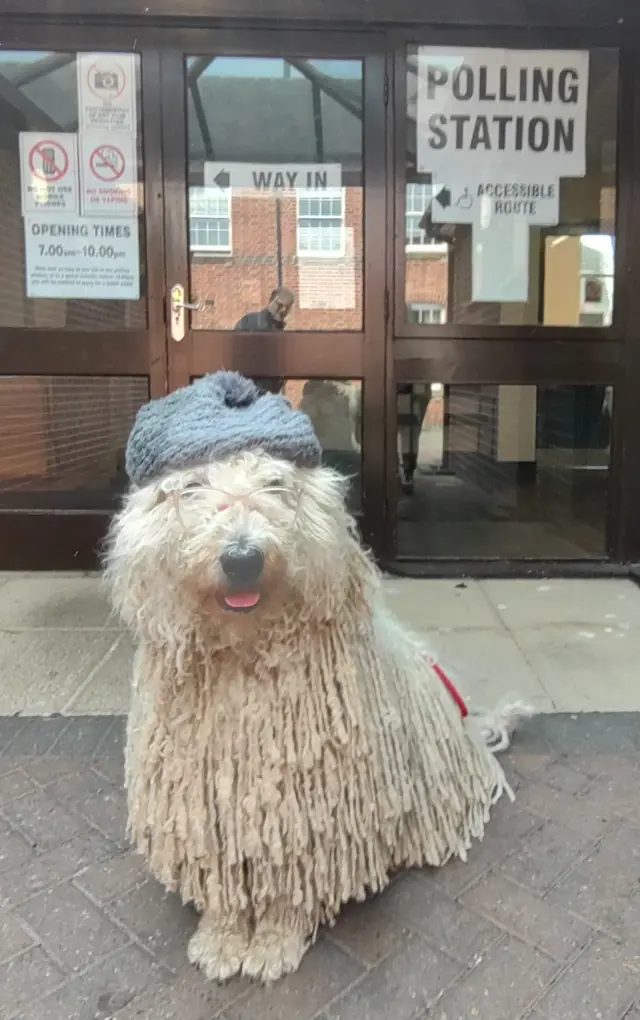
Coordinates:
[48,172]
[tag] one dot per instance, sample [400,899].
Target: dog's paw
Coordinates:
[219,952]
[273,953]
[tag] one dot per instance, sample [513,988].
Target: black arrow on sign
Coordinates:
[443,197]
[222,179]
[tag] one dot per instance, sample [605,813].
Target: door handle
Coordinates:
[178,307]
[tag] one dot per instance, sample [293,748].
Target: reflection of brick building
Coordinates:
[426,280]
[328,286]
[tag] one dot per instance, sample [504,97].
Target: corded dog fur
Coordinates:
[289,745]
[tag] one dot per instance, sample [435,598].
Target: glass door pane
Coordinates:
[275,193]
[516,472]
[74,320]
[491,243]
[71,193]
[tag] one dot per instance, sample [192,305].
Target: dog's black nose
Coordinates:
[243,564]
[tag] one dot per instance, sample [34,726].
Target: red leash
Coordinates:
[453,691]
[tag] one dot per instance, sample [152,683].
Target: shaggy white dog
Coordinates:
[288,744]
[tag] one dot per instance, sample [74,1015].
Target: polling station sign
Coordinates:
[492,112]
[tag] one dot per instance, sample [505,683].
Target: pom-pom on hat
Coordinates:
[215,417]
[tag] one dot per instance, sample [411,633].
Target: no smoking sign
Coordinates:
[107,163]
[108,174]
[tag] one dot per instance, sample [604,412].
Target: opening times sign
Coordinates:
[71,257]
[502,112]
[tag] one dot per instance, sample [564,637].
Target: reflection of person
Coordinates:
[273,317]
[412,407]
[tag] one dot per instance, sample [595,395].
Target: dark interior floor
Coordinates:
[560,516]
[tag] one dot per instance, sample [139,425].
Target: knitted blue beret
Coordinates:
[215,417]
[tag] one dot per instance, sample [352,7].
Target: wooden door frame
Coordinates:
[597,14]
[293,354]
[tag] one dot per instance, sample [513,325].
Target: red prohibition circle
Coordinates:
[41,149]
[111,94]
[103,166]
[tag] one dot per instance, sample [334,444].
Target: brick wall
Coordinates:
[427,278]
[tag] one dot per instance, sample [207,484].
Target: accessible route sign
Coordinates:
[534,201]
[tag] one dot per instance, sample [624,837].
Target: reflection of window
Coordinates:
[321,223]
[596,279]
[417,199]
[209,220]
[424,314]
[592,290]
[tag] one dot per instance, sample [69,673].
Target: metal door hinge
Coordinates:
[386,89]
[387,305]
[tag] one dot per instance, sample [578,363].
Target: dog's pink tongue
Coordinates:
[243,599]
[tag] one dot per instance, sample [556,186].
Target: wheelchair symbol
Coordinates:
[466,199]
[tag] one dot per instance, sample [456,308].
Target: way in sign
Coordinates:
[268,177]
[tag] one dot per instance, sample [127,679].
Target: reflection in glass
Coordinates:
[40,94]
[275,192]
[439,257]
[209,220]
[578,279]
[335,409]
[503,471]
[62,440]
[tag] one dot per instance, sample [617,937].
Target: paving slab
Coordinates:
[41,670]
[488,666]
[107,690]
[430,605]
[534,603]
[568,646]
[584,667]
[53,600]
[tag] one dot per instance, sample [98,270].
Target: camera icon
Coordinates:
[106,81]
